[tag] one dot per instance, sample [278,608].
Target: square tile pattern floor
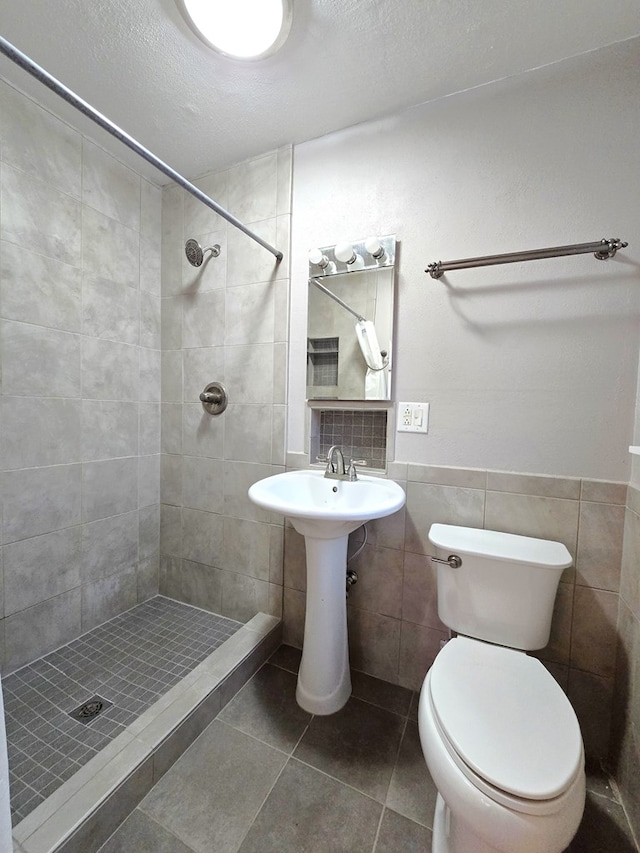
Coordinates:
[267,777]
[129,661]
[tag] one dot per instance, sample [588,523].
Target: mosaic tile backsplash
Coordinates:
[360,434]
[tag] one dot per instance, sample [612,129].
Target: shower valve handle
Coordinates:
[214,398]
[210,397]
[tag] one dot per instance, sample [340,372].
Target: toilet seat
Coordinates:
[506,724]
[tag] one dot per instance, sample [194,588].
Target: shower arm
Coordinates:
[27,64]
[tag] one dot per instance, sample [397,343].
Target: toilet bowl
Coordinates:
[504,749]
[499,736]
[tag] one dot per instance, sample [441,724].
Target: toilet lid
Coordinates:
[506,717]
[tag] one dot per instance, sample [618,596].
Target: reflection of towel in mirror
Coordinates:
[375,383]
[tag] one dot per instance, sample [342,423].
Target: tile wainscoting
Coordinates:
[394,629]
[625,731]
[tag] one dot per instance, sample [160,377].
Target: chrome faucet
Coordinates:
[336,470]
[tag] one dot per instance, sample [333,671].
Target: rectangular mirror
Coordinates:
[350,320]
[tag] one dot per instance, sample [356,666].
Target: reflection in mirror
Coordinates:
[350,320]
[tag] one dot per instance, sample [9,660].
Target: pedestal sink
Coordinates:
[325,511]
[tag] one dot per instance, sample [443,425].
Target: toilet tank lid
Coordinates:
[500,546]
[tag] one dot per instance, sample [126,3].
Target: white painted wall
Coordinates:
[528,367]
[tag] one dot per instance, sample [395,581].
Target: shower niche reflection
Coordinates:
[350,320]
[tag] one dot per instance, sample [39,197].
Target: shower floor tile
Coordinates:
[129,661]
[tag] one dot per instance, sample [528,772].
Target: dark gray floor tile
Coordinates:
[140,834]
[382,693]
[413,710]
[604,828]
[287,657]
[357,745]
[307,812]
[266,708]
[412,791]
[119,660]
[598,782]
[398,833]
[215,789]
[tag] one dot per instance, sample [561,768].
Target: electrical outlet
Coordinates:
[413,417]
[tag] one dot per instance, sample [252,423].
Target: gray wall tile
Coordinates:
[39,431]
[109,250]
[35,141]
[36,359]
[148,532]
[109,545]
[41,500]
[427,504]
[40,216]
[109,370]
[202,483]
[40,290]
[40,629]
[109,429]
[542,517]
[109,488]
[51,240]
[246,547]
[600,545]
[109,186]
[202,536]
[110,310]
[203,319]
[107,597]
[41,568]
[148,480]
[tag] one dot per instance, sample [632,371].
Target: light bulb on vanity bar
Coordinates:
[345,252]
[375,248]
[318,259]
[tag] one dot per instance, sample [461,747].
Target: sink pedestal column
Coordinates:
[324,680]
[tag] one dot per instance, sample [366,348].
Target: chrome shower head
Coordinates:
[195,253]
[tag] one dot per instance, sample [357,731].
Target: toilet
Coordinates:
[500,738]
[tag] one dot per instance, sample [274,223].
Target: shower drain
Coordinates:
[89,710]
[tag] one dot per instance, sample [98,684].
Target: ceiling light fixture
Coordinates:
[241,29]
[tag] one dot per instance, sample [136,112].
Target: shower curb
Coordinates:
[80,815]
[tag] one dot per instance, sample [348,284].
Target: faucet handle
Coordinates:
[352,473]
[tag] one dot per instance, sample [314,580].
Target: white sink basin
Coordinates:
[325,508]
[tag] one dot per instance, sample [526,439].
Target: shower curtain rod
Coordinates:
[86,109]
[335,298]
[602,250]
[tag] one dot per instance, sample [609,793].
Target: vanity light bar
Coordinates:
[369,254]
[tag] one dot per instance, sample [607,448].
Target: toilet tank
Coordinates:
[504,590]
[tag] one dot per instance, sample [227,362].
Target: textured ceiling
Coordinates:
[346,61]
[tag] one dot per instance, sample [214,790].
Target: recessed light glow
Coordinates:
[244,29]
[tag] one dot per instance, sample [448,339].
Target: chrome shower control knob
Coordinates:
[210,397]
[214,398]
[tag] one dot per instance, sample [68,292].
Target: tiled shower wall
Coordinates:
[80,338]
[626,709]
[226,321]
[394,630]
